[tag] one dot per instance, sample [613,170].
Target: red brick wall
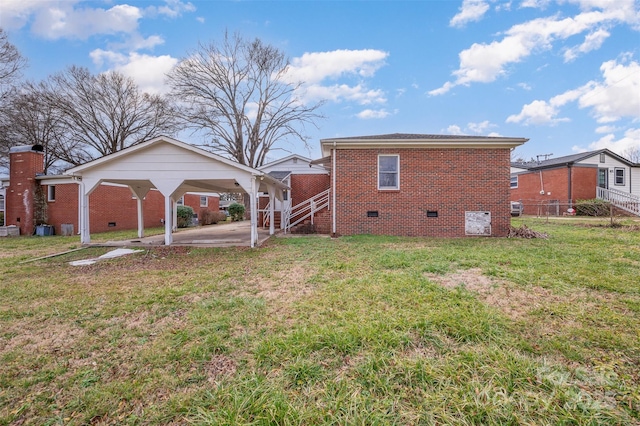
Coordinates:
[113,204]
[23,168]
[556,182]
[449,181]
[304,187]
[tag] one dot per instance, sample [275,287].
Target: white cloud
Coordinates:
[171,9]
[200,19]
[630,140]
[62,20]
[314,69]
[592,41]
[537,112]
[617,96]
[524,86]
[485,62]
[471,10]
[454,130]
[373,114]
[149,72]
[606,129]
[471,128]
[480,128]
[614,98]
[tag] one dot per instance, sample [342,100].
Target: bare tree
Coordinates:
[632,154]
[106,113]
[239,95]
[11,64]
[33,120]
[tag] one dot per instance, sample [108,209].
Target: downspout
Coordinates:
[570,181]
[333,189]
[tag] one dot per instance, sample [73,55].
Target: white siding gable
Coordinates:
[295,164]
[611,164]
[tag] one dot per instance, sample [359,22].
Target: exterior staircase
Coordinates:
[622,200]
[308,217]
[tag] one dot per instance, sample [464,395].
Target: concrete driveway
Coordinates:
[232,234]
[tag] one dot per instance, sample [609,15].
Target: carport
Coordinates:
[173,168]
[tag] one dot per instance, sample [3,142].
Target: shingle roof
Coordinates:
[567,159]
[415,136]
[279,175]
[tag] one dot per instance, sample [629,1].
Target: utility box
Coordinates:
[44,230]
[66,229]
[477,223]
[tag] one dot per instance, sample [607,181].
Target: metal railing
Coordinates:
[306,209]
[622,200]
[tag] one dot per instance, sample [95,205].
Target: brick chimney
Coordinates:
[25,162]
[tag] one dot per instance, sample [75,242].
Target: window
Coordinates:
[619,176]
[180,201]
[51,193]
[388,172]
[603,157]
[204,201]
[514,181]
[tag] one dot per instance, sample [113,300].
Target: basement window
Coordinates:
[372,213]
[51,193]
[619,176]
[389,171]
[432,213]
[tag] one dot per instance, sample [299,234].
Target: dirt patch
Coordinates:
[220,366]
[285,285]
[41,337]
[513,301]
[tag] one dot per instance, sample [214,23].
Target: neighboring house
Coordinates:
[419,185]
[554,185]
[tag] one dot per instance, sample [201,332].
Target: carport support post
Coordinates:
[83,214]
[254,213]
[272,215]
[168,218]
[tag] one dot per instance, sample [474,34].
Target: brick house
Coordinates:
[112,206]
[554,185]
[419,185]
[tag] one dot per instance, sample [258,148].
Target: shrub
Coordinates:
[2,219]
[594,207]
[236,211]
[185,216]
[208,217]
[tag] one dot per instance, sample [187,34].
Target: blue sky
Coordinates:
[563,73]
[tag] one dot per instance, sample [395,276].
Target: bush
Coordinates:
[208,217]
[185,216]
[595,207]
[2,219]
[236,211]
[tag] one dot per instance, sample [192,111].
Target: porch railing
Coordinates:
[622,200]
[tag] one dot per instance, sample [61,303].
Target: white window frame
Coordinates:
[511,182]
[204,201]
[615,176]
[397,186]
[603,158]
[51,193]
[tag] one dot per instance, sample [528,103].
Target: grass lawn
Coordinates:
[308,331]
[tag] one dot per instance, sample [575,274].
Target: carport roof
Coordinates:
[165,158]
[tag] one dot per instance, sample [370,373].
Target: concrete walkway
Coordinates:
[232,234]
